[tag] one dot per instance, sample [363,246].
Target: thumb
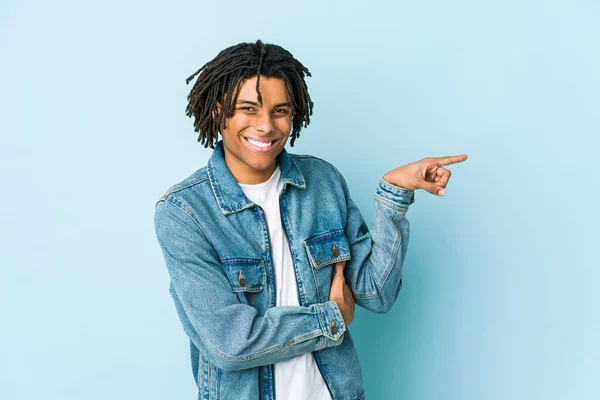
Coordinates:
[434,188]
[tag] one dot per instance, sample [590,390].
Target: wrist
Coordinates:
[396,182]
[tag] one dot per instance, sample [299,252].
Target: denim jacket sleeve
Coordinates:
[213,317]
[374,272]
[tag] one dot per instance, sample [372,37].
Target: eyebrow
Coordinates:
[288,104]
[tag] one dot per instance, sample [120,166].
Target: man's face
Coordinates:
[270,123]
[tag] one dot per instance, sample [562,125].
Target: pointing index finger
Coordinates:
[451,159]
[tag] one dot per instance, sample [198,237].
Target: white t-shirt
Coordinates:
[298,378]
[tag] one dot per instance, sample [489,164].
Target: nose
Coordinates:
[264,122]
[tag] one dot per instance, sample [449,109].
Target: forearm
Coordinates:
[374,271]
[239,339]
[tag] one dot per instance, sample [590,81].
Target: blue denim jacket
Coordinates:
[216,248]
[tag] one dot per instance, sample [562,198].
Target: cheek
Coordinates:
[284,124]
[236,125]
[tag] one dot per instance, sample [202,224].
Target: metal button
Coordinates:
[242,280]
[334,328]
[334,251]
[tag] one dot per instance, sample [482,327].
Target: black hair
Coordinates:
[225,73]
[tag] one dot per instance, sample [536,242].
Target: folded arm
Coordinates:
[233,334]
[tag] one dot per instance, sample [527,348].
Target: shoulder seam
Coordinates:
[184,211]
[293,156]
[305,156]
[176,188]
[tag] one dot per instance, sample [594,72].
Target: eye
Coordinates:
[282,111]
[248,108]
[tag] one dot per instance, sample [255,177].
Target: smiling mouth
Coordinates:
[260,146]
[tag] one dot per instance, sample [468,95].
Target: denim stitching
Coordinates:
[391,205]
[249,261]
[179,188]
[325,235]
[314,272]
[395,249]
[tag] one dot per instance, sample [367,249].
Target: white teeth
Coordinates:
[259,144]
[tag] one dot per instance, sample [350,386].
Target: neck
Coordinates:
[245,175]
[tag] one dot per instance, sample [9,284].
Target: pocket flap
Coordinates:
[328,248]
[246,274]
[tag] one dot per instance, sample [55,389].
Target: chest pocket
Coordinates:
[246,274]
[324,250]
[328,248]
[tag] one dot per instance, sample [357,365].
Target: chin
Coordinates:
[261,166]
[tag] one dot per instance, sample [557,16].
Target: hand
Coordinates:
[427,174]
[341,293]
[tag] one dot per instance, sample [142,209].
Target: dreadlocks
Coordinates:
[221,78]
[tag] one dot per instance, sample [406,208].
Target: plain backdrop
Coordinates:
[500,296]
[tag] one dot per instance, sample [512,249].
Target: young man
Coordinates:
[266,251]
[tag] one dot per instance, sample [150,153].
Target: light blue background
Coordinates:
[499,299]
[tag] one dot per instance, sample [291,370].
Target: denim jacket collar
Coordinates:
[227,191]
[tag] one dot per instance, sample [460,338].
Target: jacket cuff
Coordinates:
[394,196]
[331,322]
